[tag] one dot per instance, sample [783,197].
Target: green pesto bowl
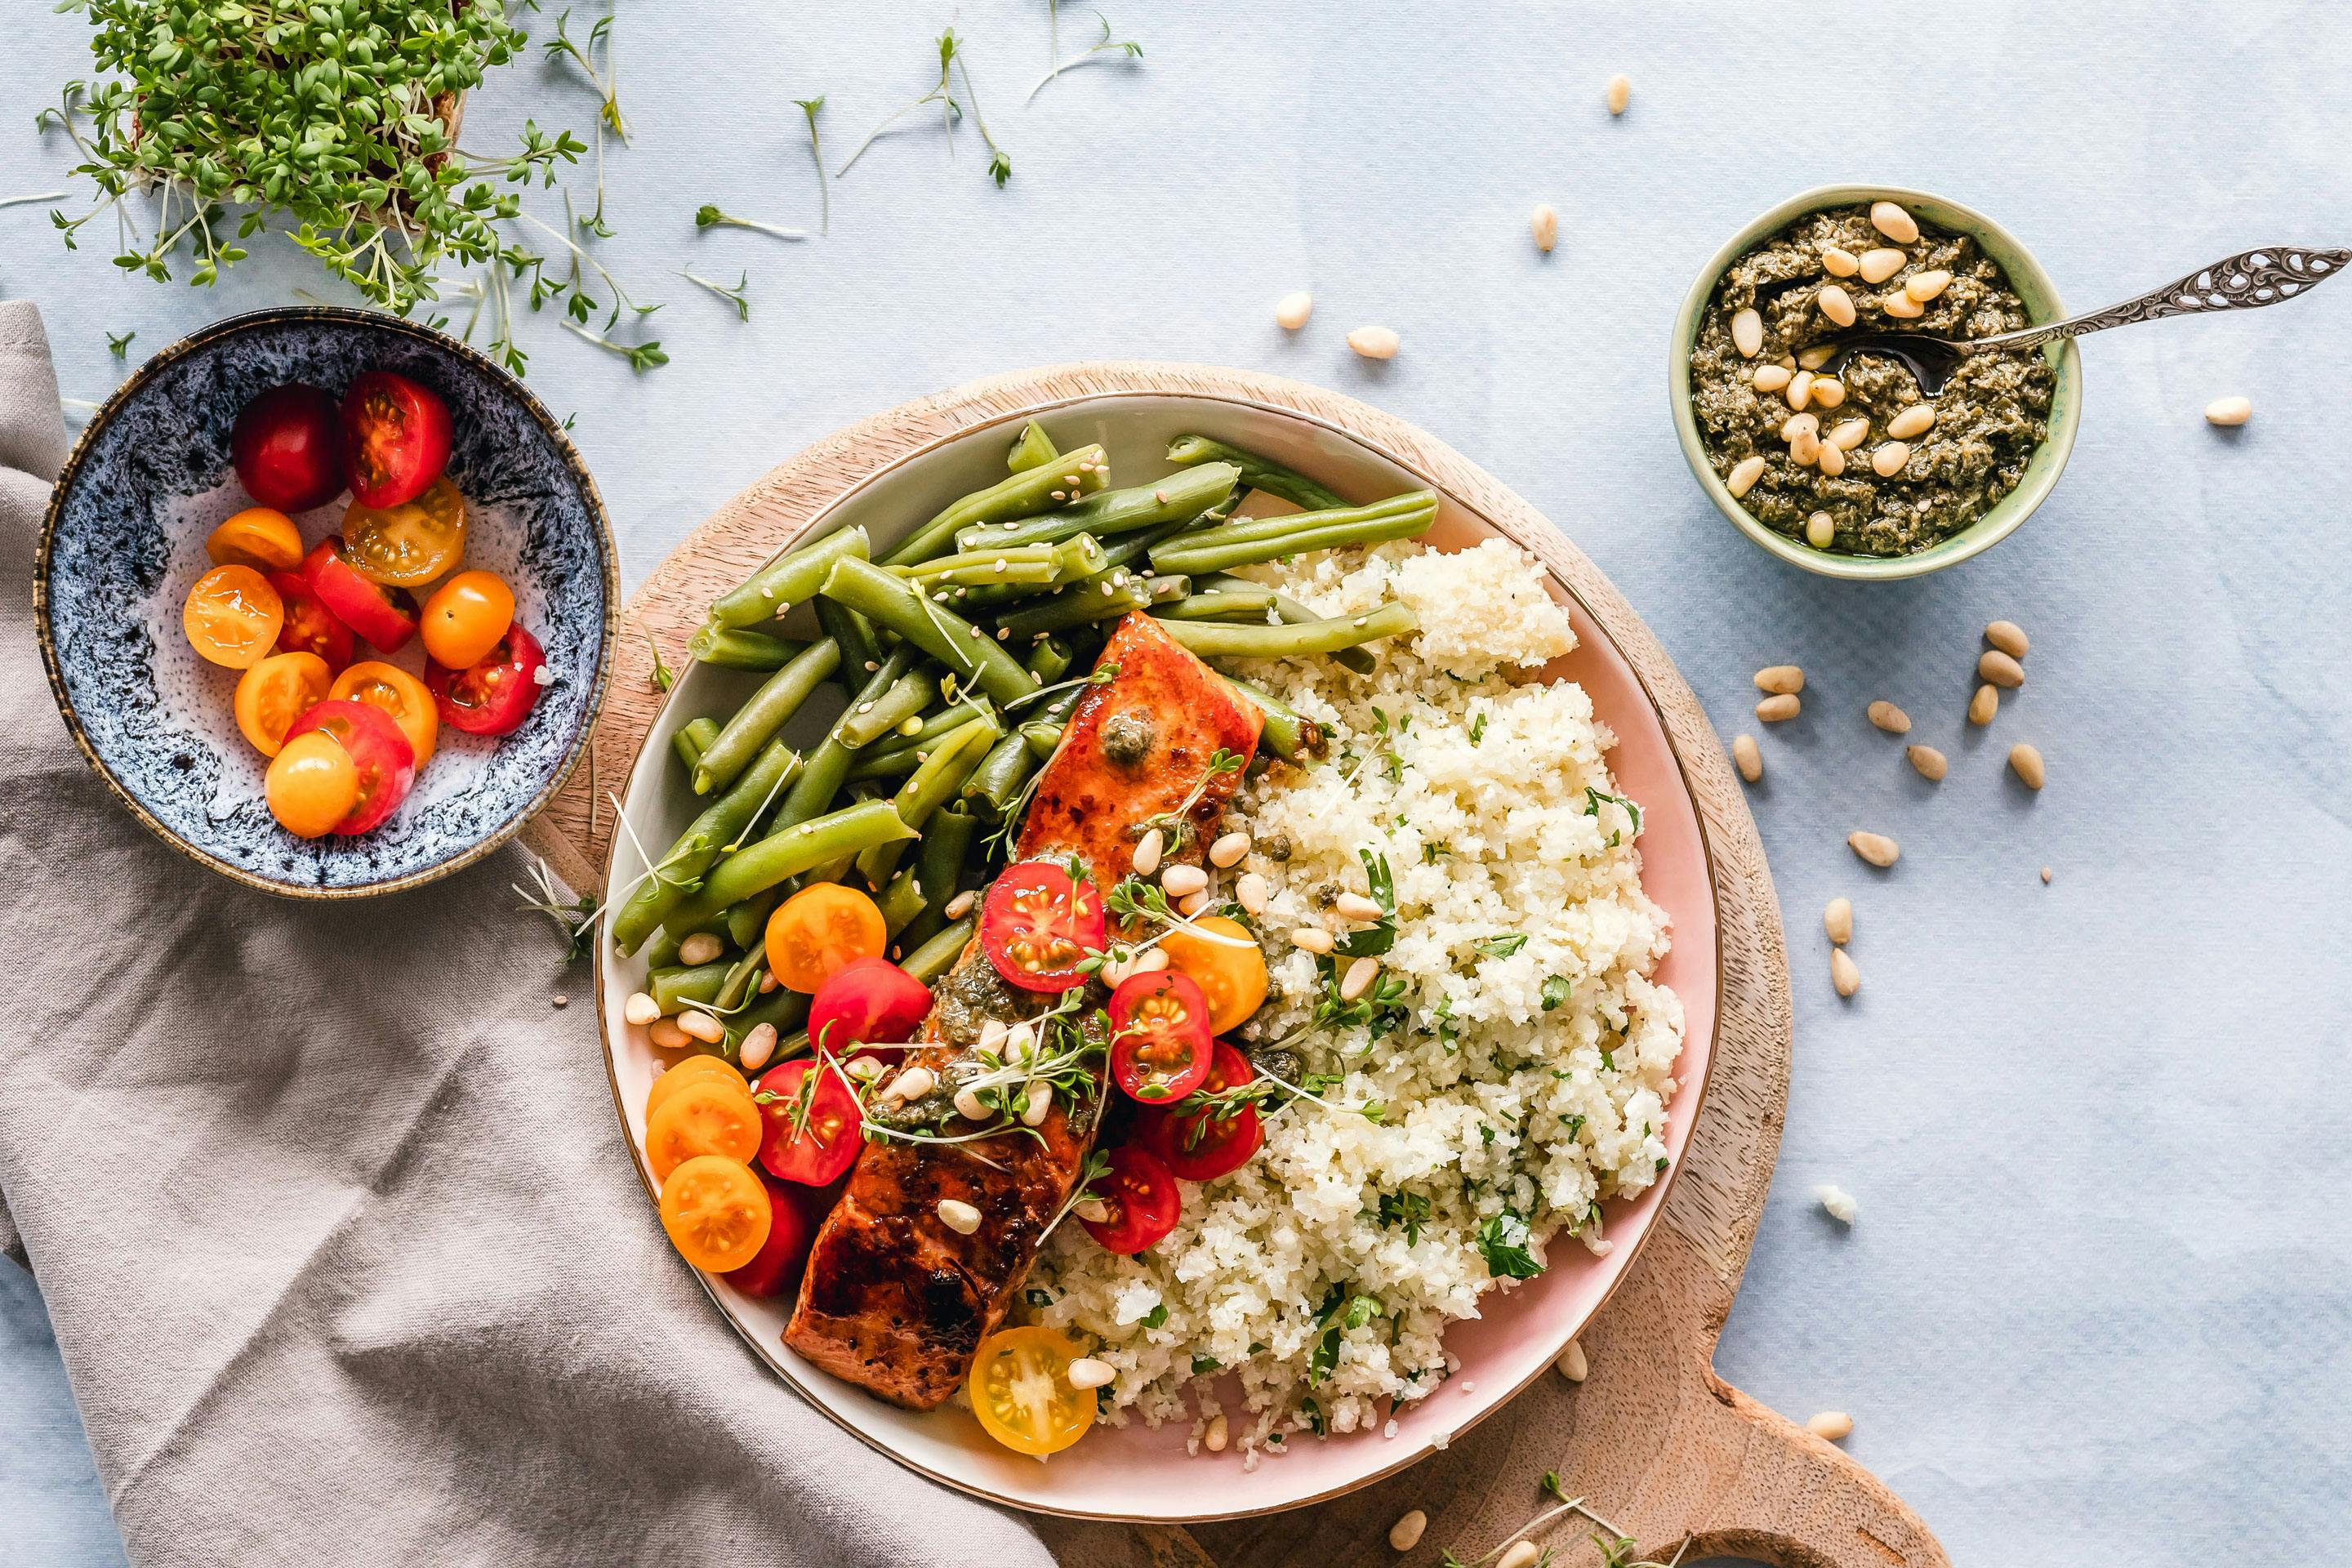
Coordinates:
[2032,286]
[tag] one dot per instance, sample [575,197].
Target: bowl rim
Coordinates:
[231,326]
[2005,515]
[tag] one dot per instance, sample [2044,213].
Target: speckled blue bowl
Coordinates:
[124,537]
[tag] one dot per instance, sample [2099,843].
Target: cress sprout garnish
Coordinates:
[951,108]
[1105,45]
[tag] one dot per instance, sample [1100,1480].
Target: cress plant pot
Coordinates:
[2032,286]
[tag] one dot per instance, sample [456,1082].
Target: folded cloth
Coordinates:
[345,1256]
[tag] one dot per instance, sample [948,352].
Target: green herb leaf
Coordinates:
[1157,1318]
[1371,941]
[1556,989]
[1503,946]
[1503,1242]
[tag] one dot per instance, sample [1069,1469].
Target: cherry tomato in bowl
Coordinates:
[386,762]
[1021,1392]
[1205,1145]
[410,542]
[258,537]
[1160,1043]
[287,448]
[276,692]
[385,616]
[495,695]
[310,626]
[814,1127]
[464,617]
[1041,921]
[399,694]
[1140,1202]
[311,784]
[791,1231]
[817,931]
[395,438]
[867,1001]
[232,617]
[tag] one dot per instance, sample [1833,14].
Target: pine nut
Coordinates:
[1405,1533]
[1747,333]
[1838,921]
[1156,959]
[1355,906]
[758,1046]
[665,1033]
[1375,342]
[1191,904]
[1888,460]
[1828,391]
[700,948]
[1743,475]
[2007,637]
[960,905]
[1832,462]
[1572,1364]
[1984,705]
[1835,303]
[640,1009]
[1817,357]
[1182,881]
[1875,848]
[1806,449]
[1836,1202]
[970,1106]
[2025,761]
[992,1035]
[1229,849]
[865,1069]
[1820,528]
[1924,285]
[1843,972]
[702,1027]
[1928,761]
[1311,939]
[1214,1439]
[1800,424]
[1544,225]
[1890,718]
[1878,266]
[1290,312]
[1747,758]
[770,985]
[1780,678]
[2000,668]
[1778,709]
[1840,263]
[1788,363]
[1848,434]
[1359,978]
[1901,306]
[1093,1210]
[959,1215]
[1522,1554]
[1091,1372]
[1770,378]
[1147,853]
[1832,1425]
[1251,892]
[2045,876]
[1620,93]
[1892,222]
[1040,1106]
[1913,422]
[1799,392]
[2228,411]
[912,1084]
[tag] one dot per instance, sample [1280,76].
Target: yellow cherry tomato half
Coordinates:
[232,617]
[261,537]
[818,930]
[1230,974]
[408,544]
[716,1213]
[1021,1390]
[709,1116]
[465,617]
[312,784]
[276,691]
[688,1071]
[399,694]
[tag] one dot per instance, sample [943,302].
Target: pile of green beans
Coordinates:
[960,653]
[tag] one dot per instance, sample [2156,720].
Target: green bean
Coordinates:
[674,988]
[900,901]
[939,866]
[985,566]
[861,650]
[1291,613]
[1169,589]
[1047,659]
[663,953]
[1021,495]
[901,753]
[788,579]
[732,647]
[866,723]
[759,867]
[1288,734]
[785,1009]
[996,782]
[770,709]
[1246,541]
[927,789]
[747,922]
[1218,604]
[1178,498]
[722,822]
[937,955]
[1257,473]
[742,977]
[691,741]
[1223,639]
[1097,600]
[828,765]
[1041,735]
[1130,549]
[941,633]
[1033,449]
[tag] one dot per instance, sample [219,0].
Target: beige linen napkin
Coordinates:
[345,1257]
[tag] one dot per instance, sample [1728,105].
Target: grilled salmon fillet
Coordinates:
[893,1300]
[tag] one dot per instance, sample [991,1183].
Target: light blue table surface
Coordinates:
[2097,1306]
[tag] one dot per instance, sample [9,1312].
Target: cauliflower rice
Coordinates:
[1519,1061]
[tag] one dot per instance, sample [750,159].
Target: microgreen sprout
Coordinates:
[662,676]
[1616,1547]
[1178,824]
[1102,676]
[951,108]
[708,216]
[608,84]
[738,296]
[1095,1167]
[43,199]
[576,918]
[118,343]
[641,357]
[1133,898]
[809,107]
[1105,45]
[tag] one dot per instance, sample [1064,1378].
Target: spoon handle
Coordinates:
[2246,281]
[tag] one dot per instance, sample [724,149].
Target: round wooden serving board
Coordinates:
[1652,1438]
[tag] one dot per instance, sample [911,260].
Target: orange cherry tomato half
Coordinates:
[496,695]
[232,617]
[385,616]
[1041,920]
[385,761]
[400,695]
[276,691]
[716,1212]
[408,543]
[465,617]
[818,931]
[1230,973]
[312,784]
[709,1116]
[310,627]
[792,1230]
[686,1072]
[258,537]
[1021,1392]
[395,438]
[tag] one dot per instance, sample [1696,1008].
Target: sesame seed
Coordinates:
[1059,496]
[1159,495]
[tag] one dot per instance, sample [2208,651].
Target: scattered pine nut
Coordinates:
[1522,1554]
[1843,972]
[1771,377]
[2025,761]
[1901,306]
[2045,876]
[2007,637]
[1290,312]
[1311,939]
[699,1025]
[1147,853]
[1831,1424]
[1984,705]
[960,905]
[665,1034]
[1780,678]
[1573,1364]
[1359,978]
[1156,959]
[1091,1372]
[959,1215]
[1748,332]
[1214,1439]
[1355,906]
[1774,709]
[1820,528]
[1838,921]
[1620,94]
[1835,303]
[1840,263]
[1878,266]
[1544,225]
[1848,434]
[1406,1532]
[1837,1201]
[912,1084]
[1928,761]
[758,1046]
[1743,475]
[1191,904]
[1829,391]
[2000,668]
[1891,220]
[1888,460]
[970,1105]
[1747,758]
[1924,285]
[1806,449]
[1875,848]
[1182,881]
[1041,1102]
[700,948]
[560,1001]
[2228,411]
[1817,357]
[1229,849]
[1799,392]
[1375,342]
[1913,422]
[1890,718]
[640,1008]
[1832,462]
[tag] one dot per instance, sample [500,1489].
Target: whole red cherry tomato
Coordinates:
[385,616]
[868,1001]
[385,761]
[1140,1201]
[288,446]
[791,1232]
[395,438]
[310,627]
[494,697]
[1041,921]
[1160,1039]
[814,1127]
[1206,1144]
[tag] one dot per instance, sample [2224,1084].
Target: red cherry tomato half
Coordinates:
[385,616]
[867,1001]
[814,1128]
[1141,1200]
[395,438]
[1203,1146]
[310,627]
[288,446]
[791,1232]
[494,697]
[385,761]
[1160,1039]
[1041,921]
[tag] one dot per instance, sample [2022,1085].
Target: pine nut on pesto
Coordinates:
[1993,413]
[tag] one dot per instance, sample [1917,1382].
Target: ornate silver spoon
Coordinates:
[2246,281]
